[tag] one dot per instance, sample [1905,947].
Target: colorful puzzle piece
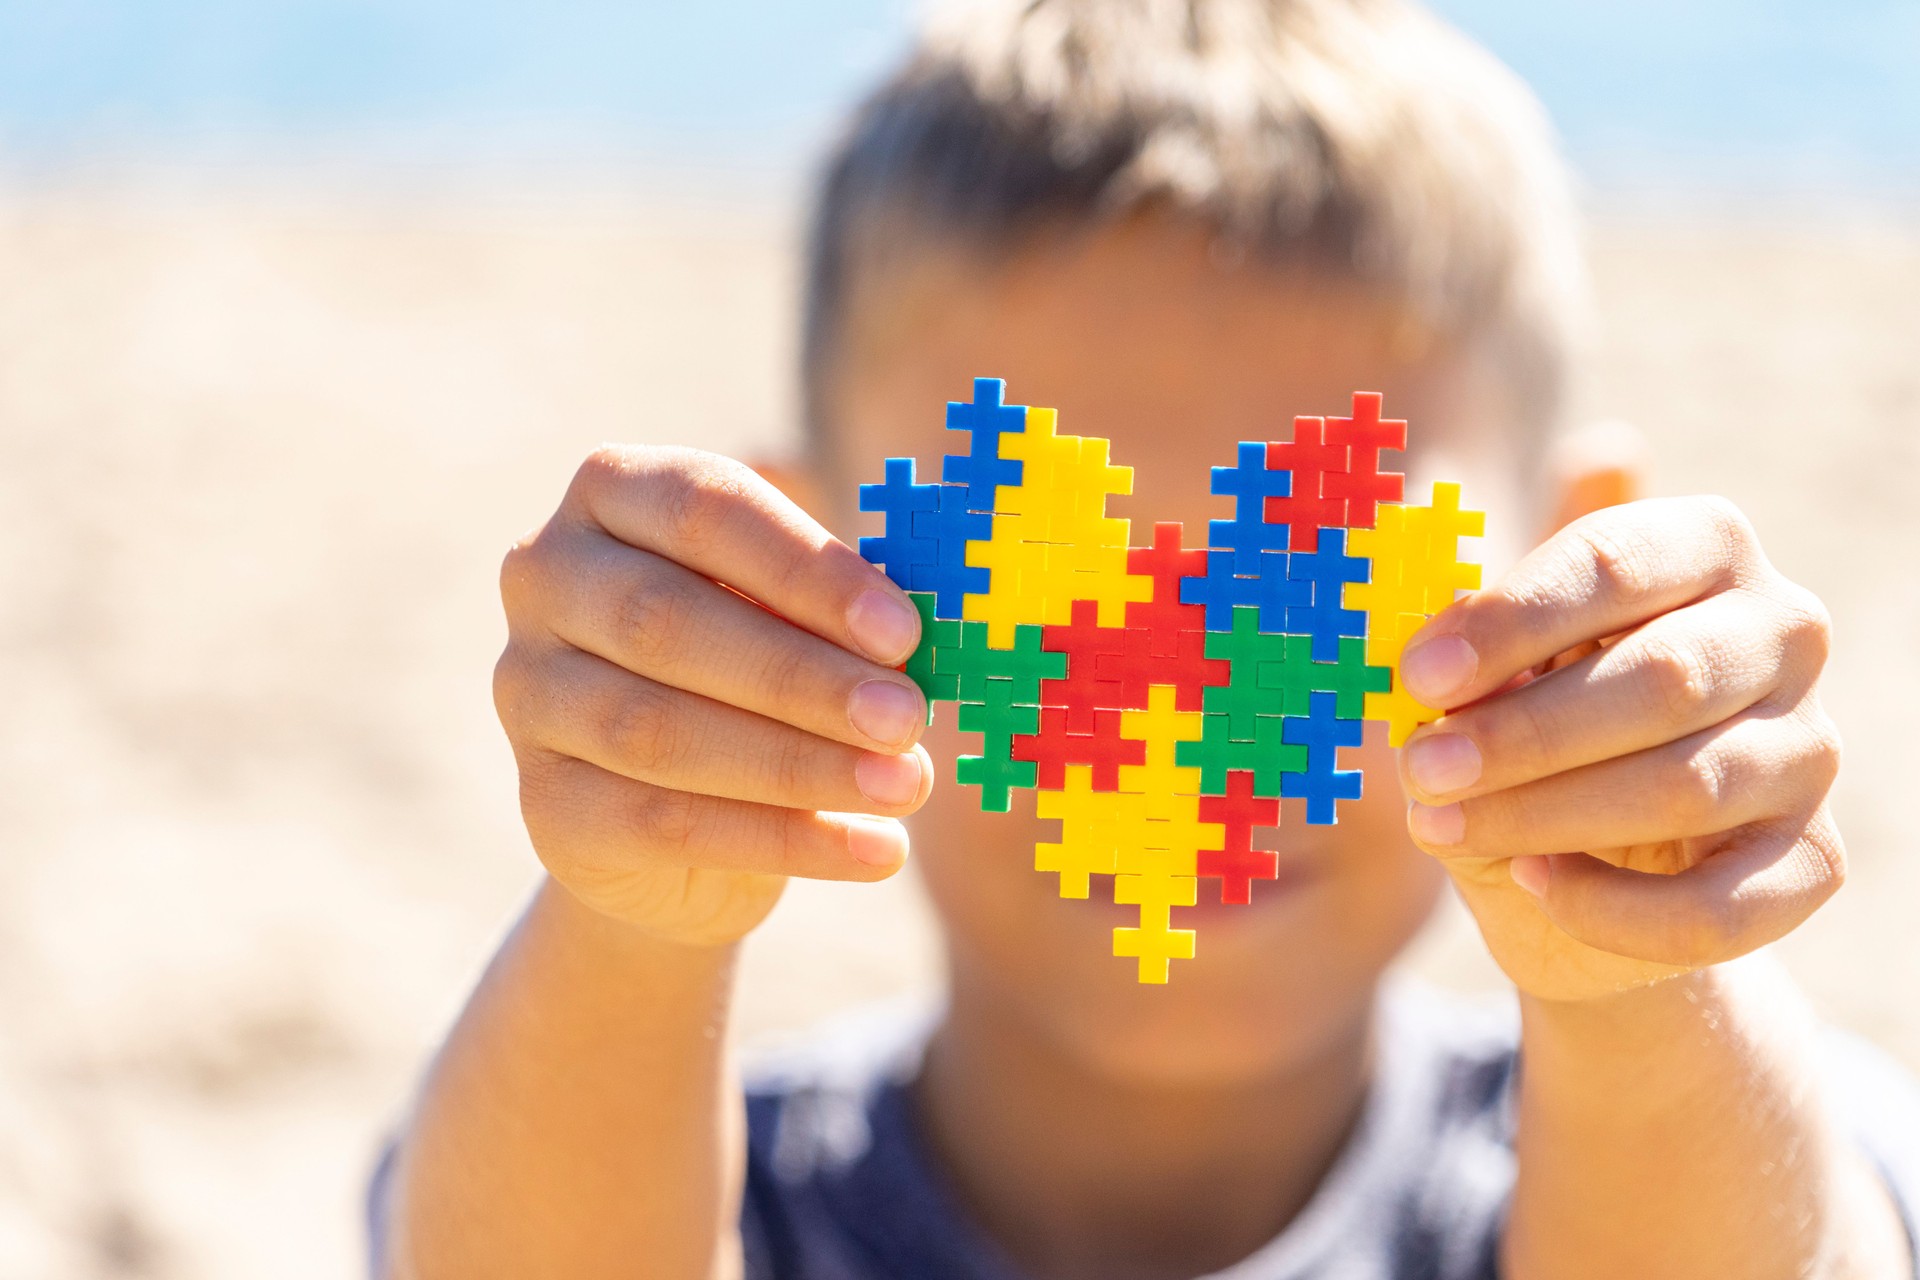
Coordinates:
[1162,699]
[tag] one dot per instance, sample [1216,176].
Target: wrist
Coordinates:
[612,944]
[1661,999]
[1687,1034]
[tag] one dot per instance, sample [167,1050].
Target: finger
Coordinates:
[1756,766]
[1683,672]
[1602,574]
[588,822]
[1755,889]
[667,623]
[592,710]
[719,519]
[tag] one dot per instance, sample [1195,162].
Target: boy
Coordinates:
[1179,224]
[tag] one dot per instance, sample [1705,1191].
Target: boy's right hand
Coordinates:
[682,750]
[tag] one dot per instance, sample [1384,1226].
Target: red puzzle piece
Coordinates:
[1363,485]
[1188,669]
[1164,617]
[1237,862]
[1084,689]
[1054,748]
[1310,457]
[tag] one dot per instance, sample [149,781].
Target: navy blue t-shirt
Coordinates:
[840,1186]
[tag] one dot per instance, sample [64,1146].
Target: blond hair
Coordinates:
[1364,136]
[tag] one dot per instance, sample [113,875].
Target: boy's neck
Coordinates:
[1075,1173]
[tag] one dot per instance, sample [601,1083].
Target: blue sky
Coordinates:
[1685,93]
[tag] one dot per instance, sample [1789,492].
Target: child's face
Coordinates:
[1136,334]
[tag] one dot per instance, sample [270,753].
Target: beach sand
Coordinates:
[259,458]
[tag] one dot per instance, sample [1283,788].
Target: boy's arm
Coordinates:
[681,751]
[1681,1130]
[581,1119]
[1642,688]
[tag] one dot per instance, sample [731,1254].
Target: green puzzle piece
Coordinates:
[1264,755]
[997,718]
[1272,675]
[1243,697]
[935,634]
[975,664]
[1349,678]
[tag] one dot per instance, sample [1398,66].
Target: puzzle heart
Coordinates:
[1163,698]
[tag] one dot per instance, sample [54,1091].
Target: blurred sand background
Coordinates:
[258,460]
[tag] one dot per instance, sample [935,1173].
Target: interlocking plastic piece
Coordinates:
[1249,537]
[900,548]
[1187,670]
[988,464]
[1094,478]
[1160,777]
[1071,481]
[935,634]
[1349,678]
[1326,572]
[1084,690]
[1222,592]
[1157,857]
[997,719]
[1246,649]
[1055,748]
[1443,524]
[1164,617]
[1018,597]
[1266,755]
[1089,823]
[1389,547]
[1154,942]
[1322,733]
[1052,542]
[976,663]
[1415,553]
[951,527]
[1236,862]
[1402,712]
[1309,457]
[1363,485]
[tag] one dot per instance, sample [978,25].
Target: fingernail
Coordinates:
[1434,670]
[878,842]
[1436,824]
[884,711]
[1442,763]
[888,780]
[883,625]
[1531,872]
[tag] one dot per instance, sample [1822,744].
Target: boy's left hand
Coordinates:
[1632,781]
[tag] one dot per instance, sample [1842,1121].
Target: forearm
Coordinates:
[1678,1131]
[581,1117]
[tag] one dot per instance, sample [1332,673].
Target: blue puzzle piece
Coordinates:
[951,527]
[981,470]
[1270,589]
[1249,482]
[1325,572]
[899,551]
[1322,732]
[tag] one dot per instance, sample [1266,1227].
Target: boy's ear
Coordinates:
[1602,464]
[792,477]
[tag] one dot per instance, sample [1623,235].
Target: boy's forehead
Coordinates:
[1144,333]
